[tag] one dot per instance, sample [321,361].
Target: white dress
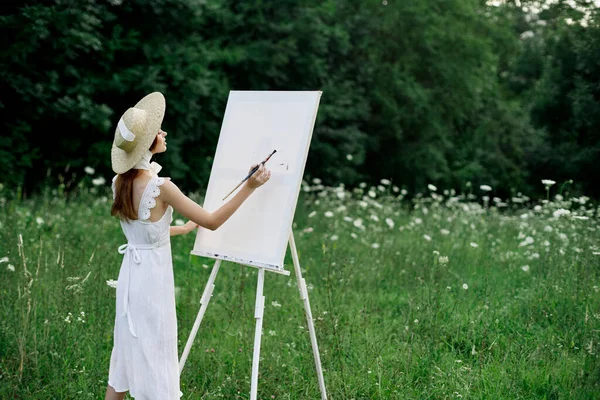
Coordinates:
[144,359]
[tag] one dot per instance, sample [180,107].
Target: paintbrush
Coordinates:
[250,174]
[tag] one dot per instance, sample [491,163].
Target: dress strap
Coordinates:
[148,200]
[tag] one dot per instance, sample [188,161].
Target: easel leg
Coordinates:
[206,295]
[309,318]
[258,315]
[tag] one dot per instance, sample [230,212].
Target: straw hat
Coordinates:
[136,131]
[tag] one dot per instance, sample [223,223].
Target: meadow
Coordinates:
[440,295]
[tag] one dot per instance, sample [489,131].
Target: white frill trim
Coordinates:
[148,201]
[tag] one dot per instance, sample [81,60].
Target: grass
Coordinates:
[438,297]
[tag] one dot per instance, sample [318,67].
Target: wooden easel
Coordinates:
[258,315]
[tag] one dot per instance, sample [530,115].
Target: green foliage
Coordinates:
[435,297]
[443,92]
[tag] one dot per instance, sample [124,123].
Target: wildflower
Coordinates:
[375,245]
[443,260]
[381,188]
[328,214]
[179,222]
[275,304]
[389,223]
[354,235]
[3,260]
[374,217]
[580,217]
[560,212]
[10,267]
[358,222]
[444,232]
[334,237]
[68,318]
[403,192]
[112,283]
[548,182]
[427,237]
[362,185]
[349,157]
[98,181]
[474,245]
[39,220]
[525,268]
[465,286]
[372,193]
[418,221]
[548,228]
[89,170]
[431,187]
[528,240]
[308,230]
[316,181]
[485,188]
[395,189]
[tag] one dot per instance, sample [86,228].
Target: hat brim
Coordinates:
[154,104]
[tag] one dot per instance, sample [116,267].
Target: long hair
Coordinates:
[123,204]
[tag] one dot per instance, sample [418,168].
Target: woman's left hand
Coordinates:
[189,226]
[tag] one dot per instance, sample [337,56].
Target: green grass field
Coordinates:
[440,297]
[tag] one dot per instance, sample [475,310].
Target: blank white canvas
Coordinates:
[256,123]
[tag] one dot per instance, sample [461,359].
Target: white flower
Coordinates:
[272,333]
[381,188]
[560,212]
[389,223]
[525,268]
[39,221]
[444,232]
[328,214]
[485,188]
[528,240]
[354,235]
[362,185]
[112,283]
[418,221]
[548,228]
[465,286]
[427,237]
[358,222]
[474,245]
[375,245]
[403,192]
[275,304]
[334,237]
[443,260]
[348,219]
[385,181]
[179,222]
[98,181]
[349,157]
[3,260]
[372,193]
[431,187]
[580,217]
[395,189]
[308,230]
[10,267]
[316,181]
[89,170]
[374,217]
[548,182]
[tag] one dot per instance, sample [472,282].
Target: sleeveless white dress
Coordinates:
[144,359]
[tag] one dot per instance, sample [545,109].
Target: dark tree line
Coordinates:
[442,91]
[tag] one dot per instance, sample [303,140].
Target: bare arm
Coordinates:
[171,194]
[182,230]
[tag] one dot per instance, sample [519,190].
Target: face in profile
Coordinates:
[161,142]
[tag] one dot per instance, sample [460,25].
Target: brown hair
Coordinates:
[123,204]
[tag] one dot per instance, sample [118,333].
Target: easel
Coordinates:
[258,315]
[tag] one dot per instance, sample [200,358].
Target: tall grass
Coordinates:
[439,296]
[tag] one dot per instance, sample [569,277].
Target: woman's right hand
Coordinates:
[259,178]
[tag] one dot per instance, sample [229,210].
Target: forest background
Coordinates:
[443,92]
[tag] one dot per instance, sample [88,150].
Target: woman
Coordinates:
[144,359]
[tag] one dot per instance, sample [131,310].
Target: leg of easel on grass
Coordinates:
[208,290]
[309,318]
[258,314]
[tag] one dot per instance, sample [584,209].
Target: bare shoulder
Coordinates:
[169,191]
